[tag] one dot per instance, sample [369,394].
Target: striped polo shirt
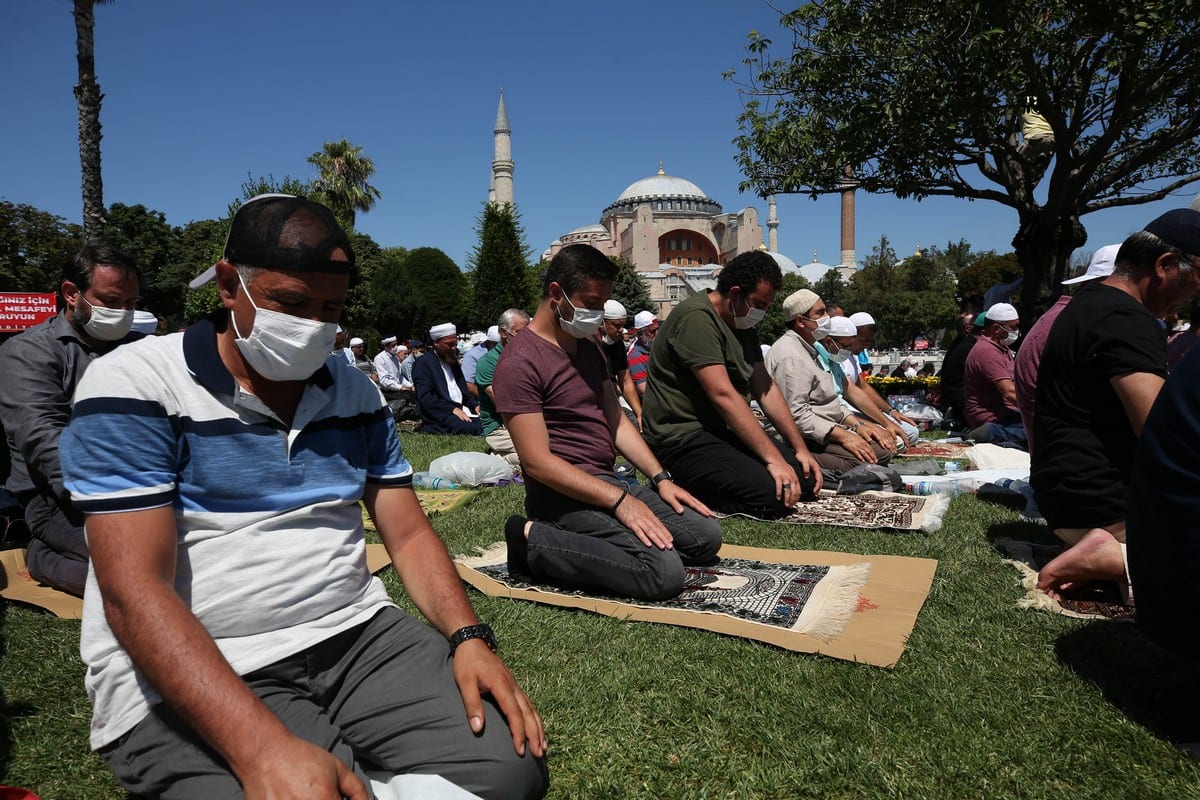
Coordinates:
[271,556]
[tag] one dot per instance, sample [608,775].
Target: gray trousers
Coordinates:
[380,696]
[581,545]
[58,553]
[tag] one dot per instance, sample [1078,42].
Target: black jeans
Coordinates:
[581,545]
[727,476]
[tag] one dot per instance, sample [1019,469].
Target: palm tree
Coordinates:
[87,98]
[343,173]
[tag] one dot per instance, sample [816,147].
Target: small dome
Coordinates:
[786,265]
[815,271]
[589,229]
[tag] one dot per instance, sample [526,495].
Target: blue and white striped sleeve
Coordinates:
[119,452]
[386,464]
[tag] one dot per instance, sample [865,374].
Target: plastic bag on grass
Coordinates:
[471,469]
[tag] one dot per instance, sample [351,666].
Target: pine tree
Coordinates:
[499,264]
[630,290]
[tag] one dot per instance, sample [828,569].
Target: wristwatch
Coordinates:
[659,478]
[480,631]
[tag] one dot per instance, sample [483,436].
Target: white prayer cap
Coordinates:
[355,342]
[614,310]
[402,348]
[1104,261]
[144,322]
[339,330]
[493,333]
[861,318]
[799,302]
[442,331]
[1001,312]
[842,326]
[388,340]
[644,319]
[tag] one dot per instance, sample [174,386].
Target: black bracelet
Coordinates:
[620,499]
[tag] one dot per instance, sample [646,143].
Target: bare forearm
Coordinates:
[741,421]
[630,393]
[182,662]
[631,445]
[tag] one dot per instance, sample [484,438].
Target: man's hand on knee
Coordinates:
[479,671]
[299,770]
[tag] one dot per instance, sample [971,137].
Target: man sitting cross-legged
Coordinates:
[236,643]
[586,527]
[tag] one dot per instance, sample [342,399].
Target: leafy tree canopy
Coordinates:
[907,298]
[921,100]
[34,247]
[436,289]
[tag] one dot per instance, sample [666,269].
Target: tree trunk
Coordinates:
[87,98]
[1044,245]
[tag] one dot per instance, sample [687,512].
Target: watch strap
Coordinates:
[662,476]
[468,632]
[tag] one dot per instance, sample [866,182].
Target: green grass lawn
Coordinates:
[987,701]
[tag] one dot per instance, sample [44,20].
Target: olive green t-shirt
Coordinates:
[692,336]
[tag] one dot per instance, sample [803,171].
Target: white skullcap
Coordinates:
[614,310]
[842,326]
[388,340]
[493,333]
[1104,261]
[861,318]
[442,331]
[1001,312]
[644,319]
[799,302]
[339,330]
[355,342]
[144,322]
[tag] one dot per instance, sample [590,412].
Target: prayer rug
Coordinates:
[1092,600]
[434,501]
[846,606]
[935,449]
[904,512]
[437,501]
[17,585]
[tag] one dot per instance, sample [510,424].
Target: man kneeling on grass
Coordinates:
[586,527]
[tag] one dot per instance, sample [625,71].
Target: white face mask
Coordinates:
[1012,337]
[823,326]
[107,324]
[752,318]
[604,337]
[585,323]
[282,347]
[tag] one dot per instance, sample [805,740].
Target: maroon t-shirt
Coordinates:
[987,363]
[535,376]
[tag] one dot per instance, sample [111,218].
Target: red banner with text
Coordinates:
[21,310]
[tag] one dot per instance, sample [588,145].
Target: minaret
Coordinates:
[501,187]
[772,225]
[848,187]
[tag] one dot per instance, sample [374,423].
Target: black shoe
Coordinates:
[518,547]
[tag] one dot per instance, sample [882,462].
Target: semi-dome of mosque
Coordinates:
[786,265]
[815,271]
[664,194]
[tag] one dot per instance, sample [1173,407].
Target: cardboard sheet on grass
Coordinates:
[885,595]
[902,512]
[16,585]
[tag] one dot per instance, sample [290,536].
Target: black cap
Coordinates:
[1180,228]
[266,233]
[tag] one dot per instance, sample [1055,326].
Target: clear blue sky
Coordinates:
[197,95]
